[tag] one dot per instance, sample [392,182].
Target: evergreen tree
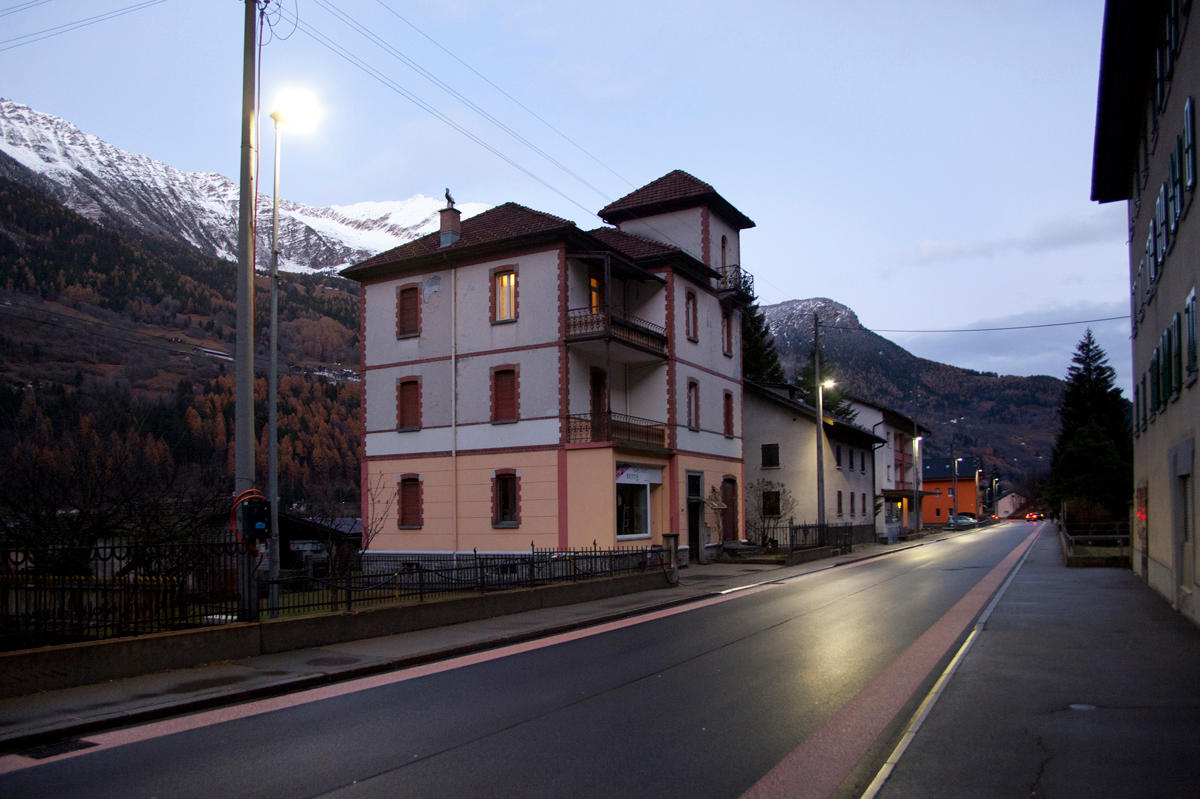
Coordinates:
[760,361]
[1093,454]
[835,401]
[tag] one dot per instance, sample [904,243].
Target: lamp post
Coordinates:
[954,486]
[916,508]
[294,108]
[821,386]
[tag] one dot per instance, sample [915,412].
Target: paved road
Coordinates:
[780,690]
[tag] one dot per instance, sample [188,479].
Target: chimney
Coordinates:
[451,228]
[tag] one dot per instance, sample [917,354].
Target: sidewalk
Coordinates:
[1082,682]
[28,721]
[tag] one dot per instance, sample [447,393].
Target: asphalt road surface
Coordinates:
[794,688]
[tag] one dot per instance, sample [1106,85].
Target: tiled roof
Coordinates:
[671,192]
[631,246]
[507,221]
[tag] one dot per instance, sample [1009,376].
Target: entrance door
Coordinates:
[599,405]
[1185,546]
[729,517]
[695,515]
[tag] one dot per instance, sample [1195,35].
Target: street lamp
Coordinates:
[916,472]
[954,486]
[297,109]
[821,386]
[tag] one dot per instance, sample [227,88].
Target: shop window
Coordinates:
[633,510]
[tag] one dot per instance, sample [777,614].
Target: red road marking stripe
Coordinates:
[825,758]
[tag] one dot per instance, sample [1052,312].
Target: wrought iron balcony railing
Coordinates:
[601,322]
[616,428]
[738,281]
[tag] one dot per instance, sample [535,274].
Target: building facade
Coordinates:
[951,487]
[528,383]
[1145,155]
[898,470]
[781,464]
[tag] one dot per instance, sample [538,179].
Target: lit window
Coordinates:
[505,296]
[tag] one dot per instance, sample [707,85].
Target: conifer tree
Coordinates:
[1093,454]
[760,361]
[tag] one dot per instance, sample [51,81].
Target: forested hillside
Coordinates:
[109,338]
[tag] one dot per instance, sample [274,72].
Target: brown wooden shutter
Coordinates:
[408,319]
[408,404]
[728,414]
[504,388]
[410,503]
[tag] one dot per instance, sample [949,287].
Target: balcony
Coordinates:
[591,323]
[616,429]
[737,284]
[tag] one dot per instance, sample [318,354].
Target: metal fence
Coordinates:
[58,595]
[787,535]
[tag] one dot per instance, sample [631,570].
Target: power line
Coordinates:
[491,83]
[981,329]
[67,27]
[4,12]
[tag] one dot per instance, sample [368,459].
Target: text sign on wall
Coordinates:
[632,474]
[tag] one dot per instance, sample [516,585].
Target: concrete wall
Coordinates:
[49,668]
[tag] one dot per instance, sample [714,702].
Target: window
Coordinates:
[1189,144]
[693,405]
[596,290]
[1160,224]
[1152,261]
[1175,335]
[691,320]
[633,510]
[862,462]
[770,456]
[408,403]
[408,311]
[728,415]
[1137,410]
[505,394]
[1174,196]
[506,498]
[851,503]
[409,502]
[1189,311]
[889,472]
[837,455]
[937,513]
[839,503]
[864,503]
[770,503]
[504,294]
[1145,403]
[727,333]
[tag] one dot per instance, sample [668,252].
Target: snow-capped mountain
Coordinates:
[116,188]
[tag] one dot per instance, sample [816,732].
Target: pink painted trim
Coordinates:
[705,369]
[563,509]
[705,233]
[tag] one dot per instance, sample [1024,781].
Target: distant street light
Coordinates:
[299,110]
[821,386]
[916,474]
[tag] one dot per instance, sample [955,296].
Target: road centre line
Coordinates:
[825,758]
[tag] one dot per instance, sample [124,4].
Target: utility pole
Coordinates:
[244,352]
[820,424]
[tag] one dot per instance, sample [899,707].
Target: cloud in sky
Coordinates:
[1055,233]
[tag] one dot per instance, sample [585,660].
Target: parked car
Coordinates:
[959,522]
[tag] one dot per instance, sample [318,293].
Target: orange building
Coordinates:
[945,478]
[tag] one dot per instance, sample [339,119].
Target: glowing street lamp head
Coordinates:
[297,109]
[828,384]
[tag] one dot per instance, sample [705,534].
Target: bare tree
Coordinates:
[768,506]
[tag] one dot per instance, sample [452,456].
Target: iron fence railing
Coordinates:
[787,535]
[736,279]
[595,322]
[58,595]
[622,430]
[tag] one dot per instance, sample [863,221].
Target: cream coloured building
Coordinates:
[1145,156]
[531,383]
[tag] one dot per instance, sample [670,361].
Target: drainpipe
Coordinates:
[454,405]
